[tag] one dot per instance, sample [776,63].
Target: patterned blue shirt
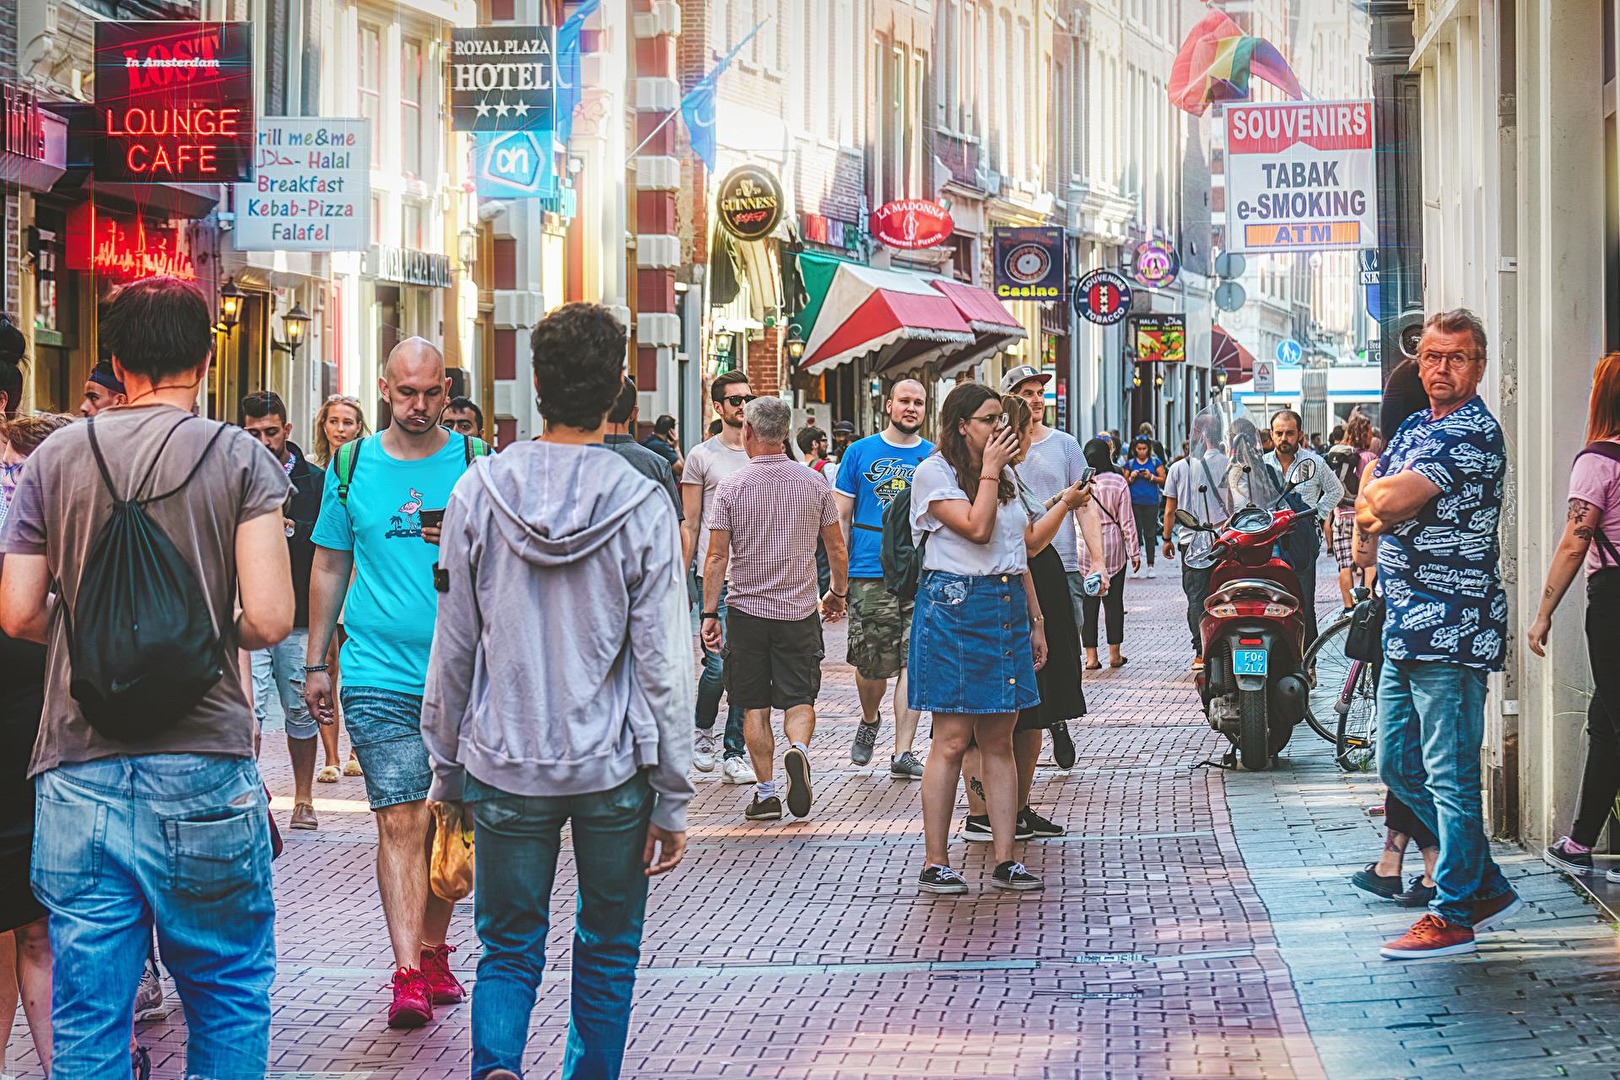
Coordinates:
[1439,570]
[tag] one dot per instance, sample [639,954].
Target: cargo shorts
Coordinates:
[879,629]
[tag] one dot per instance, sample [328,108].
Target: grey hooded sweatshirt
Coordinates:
[562,657]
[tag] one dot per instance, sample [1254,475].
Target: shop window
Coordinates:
[413,84]
[415,216]
[370,86]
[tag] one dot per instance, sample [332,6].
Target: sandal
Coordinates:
[352,766]
[328,775]
[1093,667]
[1121,662]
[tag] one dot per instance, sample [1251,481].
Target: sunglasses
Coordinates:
[737,401]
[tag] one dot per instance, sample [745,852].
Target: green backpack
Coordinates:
[348,455]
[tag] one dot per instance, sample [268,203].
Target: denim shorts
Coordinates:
[385,729]
[970,648]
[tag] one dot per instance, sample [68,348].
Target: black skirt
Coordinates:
[1061,695]
[21,702]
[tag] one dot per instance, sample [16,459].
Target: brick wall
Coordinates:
[764,363]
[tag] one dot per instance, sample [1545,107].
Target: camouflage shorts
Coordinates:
[879,629]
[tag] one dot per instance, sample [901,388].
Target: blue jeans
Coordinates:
[710,683]
[182,840]
[1431,724]
[278,673]
[517,839]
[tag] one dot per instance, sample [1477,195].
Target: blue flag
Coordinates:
[697,107]
[568,73]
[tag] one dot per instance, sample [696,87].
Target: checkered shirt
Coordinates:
[775,509]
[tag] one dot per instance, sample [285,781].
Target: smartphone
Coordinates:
[431,519]
[1003,421]
[1087,475]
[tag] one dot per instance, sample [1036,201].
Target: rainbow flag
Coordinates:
[1217,61]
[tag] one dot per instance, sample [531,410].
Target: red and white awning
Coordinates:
[1228,354]
[893,314]
[994,327]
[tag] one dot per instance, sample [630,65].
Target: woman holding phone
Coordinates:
[977,636]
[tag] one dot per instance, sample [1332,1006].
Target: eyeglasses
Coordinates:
[1450,360]
[342,399]
[993,418]
[737,401]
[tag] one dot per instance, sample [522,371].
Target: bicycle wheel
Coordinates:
[1326,669]
[1358,724]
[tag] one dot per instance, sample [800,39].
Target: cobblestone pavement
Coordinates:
[1186,918]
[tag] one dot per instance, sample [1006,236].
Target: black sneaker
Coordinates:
[1417,894]
[796,763]
[1368,880]
[1062,746]
[1559,857]
[941,879]
[865,739]
[764,809]
[1036,826]
[976,829]
[1013,877]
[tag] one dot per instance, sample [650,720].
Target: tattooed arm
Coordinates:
[1579,528]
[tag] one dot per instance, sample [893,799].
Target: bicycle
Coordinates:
[1343,703]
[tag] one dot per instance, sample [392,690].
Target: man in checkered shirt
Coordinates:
[764,524]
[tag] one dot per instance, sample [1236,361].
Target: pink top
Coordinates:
[1112,497]
[775,509]
[1596,480]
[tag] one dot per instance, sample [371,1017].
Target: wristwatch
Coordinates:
[710,615]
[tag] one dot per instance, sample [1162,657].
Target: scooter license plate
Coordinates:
[1248,661]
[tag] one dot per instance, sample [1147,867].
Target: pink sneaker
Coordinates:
[441,982]
[413,1005]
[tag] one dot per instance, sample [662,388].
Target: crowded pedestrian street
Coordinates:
[1195,923]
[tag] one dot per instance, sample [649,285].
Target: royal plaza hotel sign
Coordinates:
[502,78]
[175,101]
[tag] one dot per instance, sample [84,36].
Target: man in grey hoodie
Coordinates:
[534,724]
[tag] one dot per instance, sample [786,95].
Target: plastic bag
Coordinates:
[451,867]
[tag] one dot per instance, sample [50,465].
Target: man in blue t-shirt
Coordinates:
[379,524]
[871,473]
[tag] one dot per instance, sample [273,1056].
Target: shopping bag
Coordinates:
[451,866]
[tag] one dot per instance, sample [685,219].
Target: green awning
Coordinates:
[816,271]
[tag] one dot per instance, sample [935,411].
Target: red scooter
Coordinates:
[1254,685]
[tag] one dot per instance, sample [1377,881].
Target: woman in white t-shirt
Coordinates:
[976,634]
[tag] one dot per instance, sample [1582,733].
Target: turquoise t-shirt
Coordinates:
[392,605]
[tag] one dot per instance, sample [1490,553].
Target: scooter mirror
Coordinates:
[1187,520]
[1304,470]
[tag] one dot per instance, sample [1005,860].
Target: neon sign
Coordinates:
[176,100]
[124,248]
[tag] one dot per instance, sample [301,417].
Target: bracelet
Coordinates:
[710,615]
[982,479]
[840,595]
[310,669]
[1039,619]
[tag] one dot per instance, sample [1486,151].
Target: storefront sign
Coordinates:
[1160,339]
[503,78]
[749,202]
[176,102]
[1157,265]
[1102,297]
[912,224]
[517,165]
[1029,264]
[25,127]
[123,247]
[311,187]
[408,266]
[1301,176]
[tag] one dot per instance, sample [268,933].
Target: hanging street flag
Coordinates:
[697,107]
[568,67]
[1217,61]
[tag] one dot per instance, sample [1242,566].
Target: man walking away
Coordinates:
[1197,482]
[1321,493]
[169,826]
[379,524]
[709,463]
[534,729]
[1434,502]
[874,471]
[278,672]
[763,529]
[621,421]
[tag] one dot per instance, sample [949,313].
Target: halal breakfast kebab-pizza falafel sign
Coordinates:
[175,100]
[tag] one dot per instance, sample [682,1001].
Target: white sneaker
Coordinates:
[703,749]
[1152,572]
[738,771]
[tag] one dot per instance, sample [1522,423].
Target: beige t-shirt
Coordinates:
[710,462]
[60,507]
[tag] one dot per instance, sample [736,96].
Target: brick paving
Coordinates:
[1186,917]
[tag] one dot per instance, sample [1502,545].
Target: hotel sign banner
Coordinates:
[1301,176]
[311,187]
[175,101]
[503,78]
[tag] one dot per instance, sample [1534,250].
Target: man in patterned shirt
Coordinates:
[763,528]
[1434,503]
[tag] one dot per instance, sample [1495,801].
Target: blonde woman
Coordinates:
[339,421]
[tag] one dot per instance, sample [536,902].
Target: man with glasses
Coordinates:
[709,463]
[1435,502]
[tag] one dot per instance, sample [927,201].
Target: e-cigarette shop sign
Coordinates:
[175,99]
[503,78]
[1301,176]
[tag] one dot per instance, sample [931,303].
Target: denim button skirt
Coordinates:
[970,650]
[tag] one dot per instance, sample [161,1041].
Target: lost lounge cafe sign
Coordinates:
[175,100]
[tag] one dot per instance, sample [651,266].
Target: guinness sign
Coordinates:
[750,203]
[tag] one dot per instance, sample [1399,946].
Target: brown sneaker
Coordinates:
[1487,913]
[303,817]
[764,809]
[1430,936]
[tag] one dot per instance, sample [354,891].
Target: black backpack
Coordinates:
[902,560]
[143,650]
[1345,461]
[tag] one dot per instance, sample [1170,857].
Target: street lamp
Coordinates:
[467,246]
[230,304]
[295,324]
[795,342]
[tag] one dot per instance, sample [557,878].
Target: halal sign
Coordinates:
[1157,265]
[502,78]
[912,224]
[750,203]
[175,101]
[1102,297]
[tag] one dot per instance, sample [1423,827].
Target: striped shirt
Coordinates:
[1111,495]
[774,508]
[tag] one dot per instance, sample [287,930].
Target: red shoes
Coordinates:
[441,983]
[413,1005]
